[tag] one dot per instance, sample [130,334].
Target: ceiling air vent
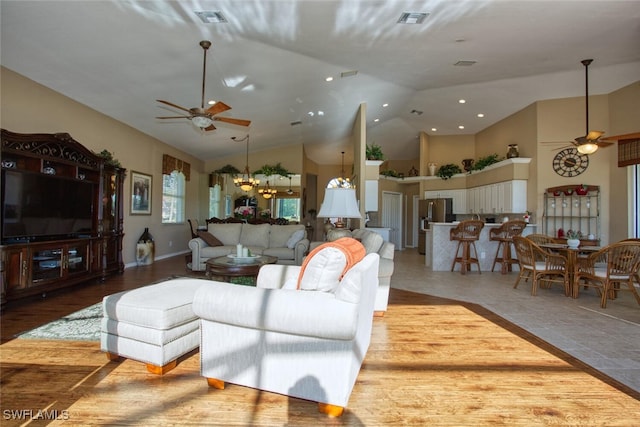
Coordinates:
[348,73]
[416,112]
[464,63]
[211,17]
[296,123]
[412,18]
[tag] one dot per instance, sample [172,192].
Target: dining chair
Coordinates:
[540,266]
[504,235]
[608,269]
[540,239]
[637,275]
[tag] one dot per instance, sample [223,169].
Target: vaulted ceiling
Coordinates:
[269,61]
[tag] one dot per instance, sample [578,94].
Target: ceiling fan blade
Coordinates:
[174,105]
[594,134]
[239,122]
[210,127]
[604,144]
[217,108]
[174,117]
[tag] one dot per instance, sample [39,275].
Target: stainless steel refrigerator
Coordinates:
[432,210]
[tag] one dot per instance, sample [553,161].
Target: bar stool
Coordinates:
[504,236]
[466,233]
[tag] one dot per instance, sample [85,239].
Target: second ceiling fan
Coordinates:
[199,116]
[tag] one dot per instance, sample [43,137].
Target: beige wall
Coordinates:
[27,107]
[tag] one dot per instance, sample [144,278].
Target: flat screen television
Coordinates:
[37,207]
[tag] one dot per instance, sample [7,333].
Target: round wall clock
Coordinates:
[569,162]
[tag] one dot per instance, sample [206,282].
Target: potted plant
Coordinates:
[573,238]
[447,171]
[483,162]
[374,152]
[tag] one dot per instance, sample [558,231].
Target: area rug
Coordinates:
[83,325]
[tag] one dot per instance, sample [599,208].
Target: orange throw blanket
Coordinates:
[352,249]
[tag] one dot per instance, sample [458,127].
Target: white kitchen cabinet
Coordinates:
[371,195]
[501,197]
[459,198]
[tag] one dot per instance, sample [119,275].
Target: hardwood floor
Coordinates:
[474,368]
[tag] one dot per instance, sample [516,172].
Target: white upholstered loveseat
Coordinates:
[308,344]
[287,242]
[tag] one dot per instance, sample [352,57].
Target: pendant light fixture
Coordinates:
[267,192]
[341,181]
[246,182]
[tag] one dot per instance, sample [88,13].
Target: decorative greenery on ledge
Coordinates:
[108,159]
[483,162]
[228,169]
[447,171]
[392,173]
[269,170]
[374,152]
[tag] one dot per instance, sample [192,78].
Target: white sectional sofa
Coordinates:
[287,242]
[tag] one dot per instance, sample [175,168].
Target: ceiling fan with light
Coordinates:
[590,142]
[198,115]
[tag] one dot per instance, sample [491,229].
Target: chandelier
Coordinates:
[267,192]
[246,182]
[341,181]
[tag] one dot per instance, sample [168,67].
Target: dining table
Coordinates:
[573,257]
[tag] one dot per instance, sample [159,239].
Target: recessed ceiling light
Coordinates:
[460,127]
[321,113]
[434,129]
[412,17]
[464,63]
[462,101]
[328,79]
[310,113]
[211,102]
[385,104]
[480,115]
[376,120]
[211,16]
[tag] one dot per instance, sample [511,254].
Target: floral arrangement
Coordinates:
[265,213]
[244,212]
[573,234]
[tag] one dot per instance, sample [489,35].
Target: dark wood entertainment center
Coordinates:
[44,245]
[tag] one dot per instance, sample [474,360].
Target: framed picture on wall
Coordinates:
[140,193]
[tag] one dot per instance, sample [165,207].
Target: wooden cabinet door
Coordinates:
[16,265]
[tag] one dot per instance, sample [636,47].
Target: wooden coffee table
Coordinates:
[227,267]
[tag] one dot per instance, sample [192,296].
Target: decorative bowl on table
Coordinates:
[243,259]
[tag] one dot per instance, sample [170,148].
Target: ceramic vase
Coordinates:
[573,243]
[432,169]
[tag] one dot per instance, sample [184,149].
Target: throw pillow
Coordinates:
[209,238]
[323,270]
[333,261]
[295,238]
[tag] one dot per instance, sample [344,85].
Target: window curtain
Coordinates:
[170,164]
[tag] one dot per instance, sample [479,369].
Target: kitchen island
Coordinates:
[440,250]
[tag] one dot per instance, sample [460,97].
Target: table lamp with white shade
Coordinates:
[339,203]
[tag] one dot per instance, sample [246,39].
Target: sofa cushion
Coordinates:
[280,253]
[280,234]
[256,235]
[228,234]
[209,238]
[371,240]
[295,238]
[338,233]
[328,263]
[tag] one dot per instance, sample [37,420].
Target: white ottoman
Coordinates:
[154,324]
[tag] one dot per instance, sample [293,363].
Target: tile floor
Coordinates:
[606,339]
